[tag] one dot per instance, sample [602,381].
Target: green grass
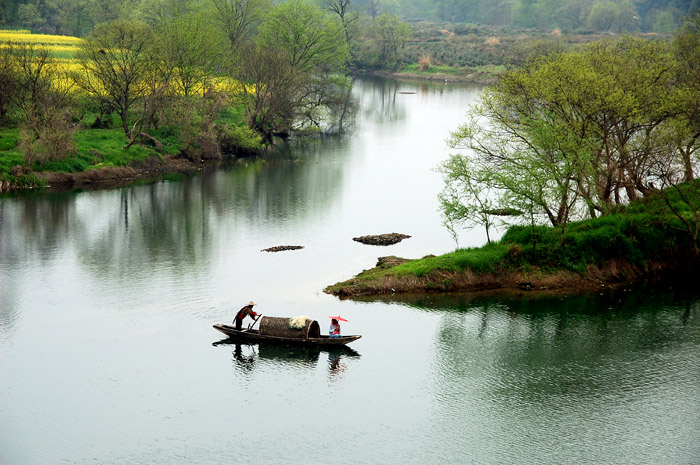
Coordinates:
[96,148]
[639,233]
[482,259]
[10,156]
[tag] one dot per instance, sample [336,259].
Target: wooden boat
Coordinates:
[254,335]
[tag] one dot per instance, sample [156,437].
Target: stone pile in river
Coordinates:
[381,239]
[282,248]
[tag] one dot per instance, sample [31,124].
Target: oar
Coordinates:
[250,326]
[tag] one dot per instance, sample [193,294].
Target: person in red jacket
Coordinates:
[334,329]
[244,312]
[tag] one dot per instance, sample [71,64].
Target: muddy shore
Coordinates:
[476,77]
[109,177]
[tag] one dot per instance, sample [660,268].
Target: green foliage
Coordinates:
[385,37]
[192,49]
[639,234]
[636,236]
[241,139]
[552,135]
[309,38]
[296,71]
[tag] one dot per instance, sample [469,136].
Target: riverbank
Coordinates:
[465,76]
[650,239]
[150,168]
[104,177]
[383,279]
[100,159]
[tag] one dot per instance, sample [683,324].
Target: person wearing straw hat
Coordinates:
[244,312]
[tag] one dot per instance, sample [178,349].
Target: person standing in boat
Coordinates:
[244,312]
[334,329]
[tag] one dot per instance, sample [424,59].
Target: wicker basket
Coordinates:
[273,326]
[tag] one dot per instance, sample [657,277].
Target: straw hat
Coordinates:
[251,303]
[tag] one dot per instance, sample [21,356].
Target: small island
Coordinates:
[651,239]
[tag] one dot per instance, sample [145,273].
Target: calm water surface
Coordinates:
[107,298]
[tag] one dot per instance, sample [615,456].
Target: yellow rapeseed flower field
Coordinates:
[64,49]
[26,37]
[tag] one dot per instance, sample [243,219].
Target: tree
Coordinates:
[295,73]
[191,50]
[686,47]
[664,23]
[9,79]
[578,131]
[238,17]
[467,199]
[42,96]
[270,96]
[120,72]
[389,34]
[309,37]
[342,9]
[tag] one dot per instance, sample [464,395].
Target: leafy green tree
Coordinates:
[388,34]
[343,9]
[9,79]
[686,47]
[271,94]
[29,15]
[295,73]
[308,36]
[75,17]
[579,131]
[467,199]
[42,96]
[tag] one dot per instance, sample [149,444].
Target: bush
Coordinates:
[48,137]
[239,140]
[424,63]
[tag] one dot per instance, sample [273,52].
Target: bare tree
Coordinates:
[342,9]
[120,71]
[237,18]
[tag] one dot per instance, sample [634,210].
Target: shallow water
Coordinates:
[107,354]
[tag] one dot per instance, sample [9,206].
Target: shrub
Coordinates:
[424,63]
[49,137]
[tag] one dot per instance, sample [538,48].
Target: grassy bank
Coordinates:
[643,240]
[95,149]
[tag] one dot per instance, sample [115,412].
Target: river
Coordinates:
[107,301]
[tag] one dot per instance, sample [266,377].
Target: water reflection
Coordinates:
[169,223]
[249,357]
[381,101]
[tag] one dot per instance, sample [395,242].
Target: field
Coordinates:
[479,53]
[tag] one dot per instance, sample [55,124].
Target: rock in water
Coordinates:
[381,239]
[282,248]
